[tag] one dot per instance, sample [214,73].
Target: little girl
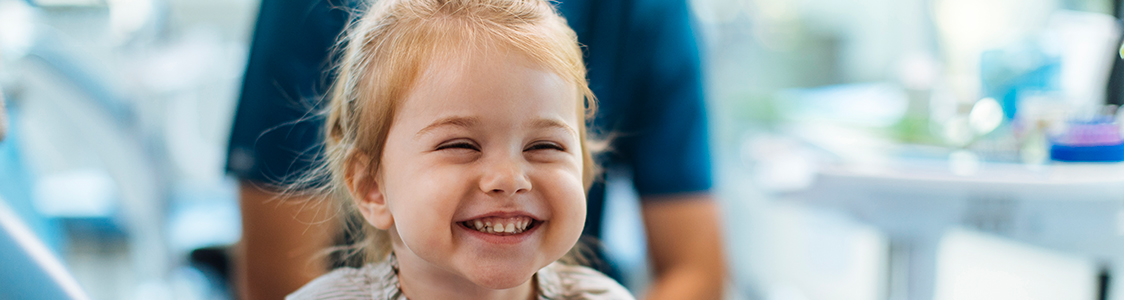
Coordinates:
[456,129]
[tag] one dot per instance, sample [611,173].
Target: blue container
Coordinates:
[1094,153]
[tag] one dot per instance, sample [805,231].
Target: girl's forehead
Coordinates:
[498,72]
[462,58]
[492,86]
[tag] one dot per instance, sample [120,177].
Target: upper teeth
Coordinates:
[499,225]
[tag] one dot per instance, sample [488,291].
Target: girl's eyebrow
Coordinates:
[467,122]
[552,123]
[457,121]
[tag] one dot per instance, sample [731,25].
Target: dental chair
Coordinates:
[29,269]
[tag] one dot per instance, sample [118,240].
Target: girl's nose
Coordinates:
[505,178]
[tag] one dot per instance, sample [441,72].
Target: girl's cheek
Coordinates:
[567,183]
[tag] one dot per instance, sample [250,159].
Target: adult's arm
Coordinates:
[685,245]
[283,239]
[275,137]
[667,146]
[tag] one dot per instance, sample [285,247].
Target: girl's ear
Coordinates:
[365,190]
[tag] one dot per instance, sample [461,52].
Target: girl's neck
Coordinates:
[420,280]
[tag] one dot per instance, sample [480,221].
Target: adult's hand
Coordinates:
[685,243]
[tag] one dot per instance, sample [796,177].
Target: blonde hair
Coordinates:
[387,48]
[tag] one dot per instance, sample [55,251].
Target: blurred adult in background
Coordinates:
[644,67]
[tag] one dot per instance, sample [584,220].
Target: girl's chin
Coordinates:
[494,278]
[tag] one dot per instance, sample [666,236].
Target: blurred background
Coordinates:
[864,149]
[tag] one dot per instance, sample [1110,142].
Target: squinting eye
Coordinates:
[458,145]
[545,146]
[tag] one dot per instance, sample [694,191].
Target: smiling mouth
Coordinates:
[501,226]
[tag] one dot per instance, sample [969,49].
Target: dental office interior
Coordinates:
[863,149]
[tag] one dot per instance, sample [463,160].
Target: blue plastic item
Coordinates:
[1008,74]
[1100,153]
[1097,140]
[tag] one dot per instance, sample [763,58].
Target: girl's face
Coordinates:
[482,171]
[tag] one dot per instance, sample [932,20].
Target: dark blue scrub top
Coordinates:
[643,63]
